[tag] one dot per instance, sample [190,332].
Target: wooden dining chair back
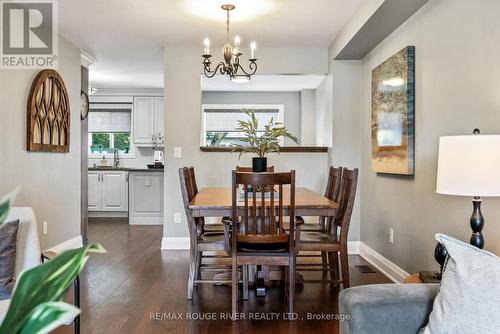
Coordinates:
[262,219]
[200,240]
[258,235]
[269,169]
[332,192]
[346,204]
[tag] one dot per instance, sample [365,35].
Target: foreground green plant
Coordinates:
[265,143]
[36,306]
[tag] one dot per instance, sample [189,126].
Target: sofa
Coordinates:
[28,254]
[386,308]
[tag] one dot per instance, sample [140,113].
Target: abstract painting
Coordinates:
[393,109]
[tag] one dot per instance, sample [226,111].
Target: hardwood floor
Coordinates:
[135,287]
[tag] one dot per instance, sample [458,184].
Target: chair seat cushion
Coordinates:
[316,237]
[212,237]
[311,227]
[263,248]
[213,227]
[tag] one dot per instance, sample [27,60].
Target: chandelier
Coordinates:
[231,64]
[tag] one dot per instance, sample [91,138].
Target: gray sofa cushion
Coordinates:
[4,293]
[469,298]
[386,308]
[8,239]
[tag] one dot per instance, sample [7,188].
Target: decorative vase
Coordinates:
[259,164]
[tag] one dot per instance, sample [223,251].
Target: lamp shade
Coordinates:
[469,165]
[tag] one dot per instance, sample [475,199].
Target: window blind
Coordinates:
[113,120]
[222,120]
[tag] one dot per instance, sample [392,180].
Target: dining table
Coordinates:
[217,202]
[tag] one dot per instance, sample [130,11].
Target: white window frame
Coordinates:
[203,136]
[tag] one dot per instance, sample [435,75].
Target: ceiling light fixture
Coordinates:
[231,64]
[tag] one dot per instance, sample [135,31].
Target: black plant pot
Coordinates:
[259,165]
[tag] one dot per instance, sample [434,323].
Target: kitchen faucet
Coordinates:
[116,158]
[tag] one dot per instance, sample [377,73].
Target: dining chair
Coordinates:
[258,236]
[334,240]
[332,192]
[200,240]
[200,221]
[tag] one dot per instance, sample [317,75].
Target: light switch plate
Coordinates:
[44,228]
[177,218]
[177,152]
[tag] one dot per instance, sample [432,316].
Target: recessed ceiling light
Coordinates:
[247,9]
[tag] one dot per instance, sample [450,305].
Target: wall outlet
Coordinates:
[177,152]
[44,228]
[391,235]
[177,218]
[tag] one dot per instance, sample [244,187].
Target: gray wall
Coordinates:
[457,89]
[50,181]
[183,124]
[324,105]
[308,117]
[346,134]
[291,101]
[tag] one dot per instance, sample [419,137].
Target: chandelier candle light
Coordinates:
[231,64]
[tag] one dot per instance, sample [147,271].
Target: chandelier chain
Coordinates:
[227,27]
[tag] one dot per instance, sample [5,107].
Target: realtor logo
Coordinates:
[29,34]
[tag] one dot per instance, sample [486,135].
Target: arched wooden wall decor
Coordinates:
[48,114]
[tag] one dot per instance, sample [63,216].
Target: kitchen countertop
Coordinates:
[126,169]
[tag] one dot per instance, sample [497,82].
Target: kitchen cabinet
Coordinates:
[148,119]
[94,191]
[107,191]
[146,198]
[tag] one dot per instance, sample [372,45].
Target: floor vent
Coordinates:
[365,269]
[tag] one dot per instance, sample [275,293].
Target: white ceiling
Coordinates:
[266,83]
[127,36]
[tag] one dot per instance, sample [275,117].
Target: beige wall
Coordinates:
[50,181]
[457,89]
[183,123]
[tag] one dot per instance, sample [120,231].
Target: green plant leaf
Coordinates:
[267,142]
[6,203]
[48,316]
[44,283]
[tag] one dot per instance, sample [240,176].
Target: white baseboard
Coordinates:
[145,221]
[108,214]
[175,243]
[386,267]
[72,243]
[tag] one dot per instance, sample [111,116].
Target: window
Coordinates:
[110,129]
[221,120]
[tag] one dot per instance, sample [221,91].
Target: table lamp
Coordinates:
[470,166]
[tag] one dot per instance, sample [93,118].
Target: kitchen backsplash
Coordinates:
[143,157]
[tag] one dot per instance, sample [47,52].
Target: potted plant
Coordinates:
[261,142]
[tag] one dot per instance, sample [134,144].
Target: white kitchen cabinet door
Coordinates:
[144,120]
[159,116]
[146,198]
[114,191]
[94,191]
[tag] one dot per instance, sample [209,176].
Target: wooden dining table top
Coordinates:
[214,202]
